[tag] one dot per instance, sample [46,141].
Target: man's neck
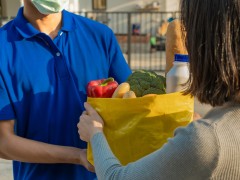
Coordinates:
[48,24]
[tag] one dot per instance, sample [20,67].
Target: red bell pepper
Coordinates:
[102,88]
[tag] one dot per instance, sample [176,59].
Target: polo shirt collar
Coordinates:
[26,29]
[68,21]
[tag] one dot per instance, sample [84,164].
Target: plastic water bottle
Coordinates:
[178,74]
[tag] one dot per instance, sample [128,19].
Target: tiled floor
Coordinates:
[5,170]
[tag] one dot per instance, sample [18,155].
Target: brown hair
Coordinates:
[213,44]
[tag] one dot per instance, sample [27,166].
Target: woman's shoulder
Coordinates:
[205,139]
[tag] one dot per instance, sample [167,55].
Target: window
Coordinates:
[99,5]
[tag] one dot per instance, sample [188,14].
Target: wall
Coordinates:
[85,4]
[122,5]
[112,5]
[78,5]
[10,7]
[172,5]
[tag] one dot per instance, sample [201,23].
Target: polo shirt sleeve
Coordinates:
[119,69]
[6,110]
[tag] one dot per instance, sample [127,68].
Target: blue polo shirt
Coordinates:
[43,84]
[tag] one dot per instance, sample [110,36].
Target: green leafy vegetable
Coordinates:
[144,82]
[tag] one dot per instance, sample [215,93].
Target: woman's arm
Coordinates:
[191,154]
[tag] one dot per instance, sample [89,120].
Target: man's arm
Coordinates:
[21,149]
[2,156]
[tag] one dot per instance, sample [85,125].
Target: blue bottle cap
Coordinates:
[181,58]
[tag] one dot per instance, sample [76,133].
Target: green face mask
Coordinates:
[50,6]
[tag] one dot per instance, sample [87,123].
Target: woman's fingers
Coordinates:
[89,109]
[90,122]
[84,112]
[92,113]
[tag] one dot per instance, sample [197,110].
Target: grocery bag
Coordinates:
[136,127]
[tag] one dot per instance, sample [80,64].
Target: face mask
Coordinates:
[50,6]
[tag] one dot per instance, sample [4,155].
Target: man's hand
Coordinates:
[84,161]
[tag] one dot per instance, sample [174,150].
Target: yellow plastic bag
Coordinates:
[138,126]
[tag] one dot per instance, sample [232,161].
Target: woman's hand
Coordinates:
[90,123]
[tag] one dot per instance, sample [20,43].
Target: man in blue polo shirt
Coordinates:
[47,57]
